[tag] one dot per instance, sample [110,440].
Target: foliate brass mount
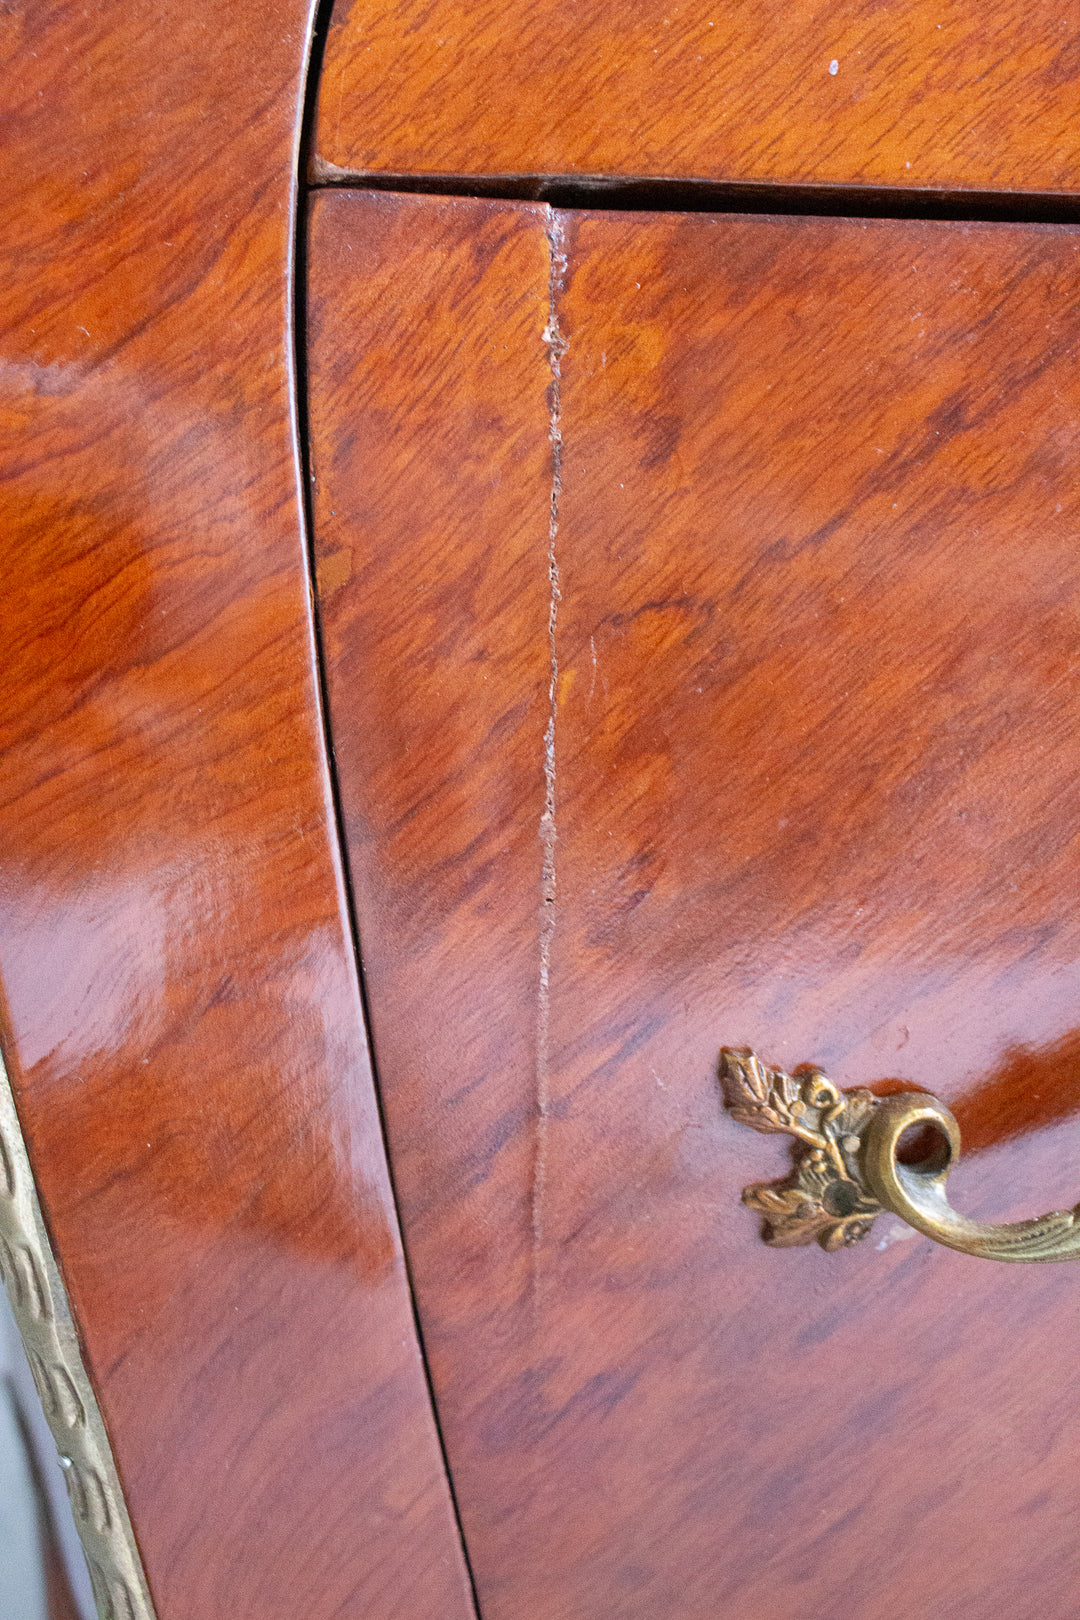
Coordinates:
[824,1197]
[847,1169]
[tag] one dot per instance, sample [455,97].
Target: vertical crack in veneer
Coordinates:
[556,347]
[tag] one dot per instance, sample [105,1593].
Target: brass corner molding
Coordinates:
[41,1309]
[848,1169]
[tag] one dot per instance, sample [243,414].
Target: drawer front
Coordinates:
[700,601]
[913,93]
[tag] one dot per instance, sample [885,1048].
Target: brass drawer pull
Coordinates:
[847,1170]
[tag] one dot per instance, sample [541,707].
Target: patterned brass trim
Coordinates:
[40,1304]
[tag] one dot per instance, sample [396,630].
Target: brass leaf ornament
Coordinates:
[823,1199]
[849,1167]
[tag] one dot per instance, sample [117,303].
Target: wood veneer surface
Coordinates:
[181,1013]
[924,93]
[766,737]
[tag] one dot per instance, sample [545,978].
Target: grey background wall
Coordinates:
[29,1469]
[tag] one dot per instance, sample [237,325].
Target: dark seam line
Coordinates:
[666,195]
[320,30]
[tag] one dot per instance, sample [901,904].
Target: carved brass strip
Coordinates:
[847,1167]
[43,1315]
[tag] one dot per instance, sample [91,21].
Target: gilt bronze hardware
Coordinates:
[847,1169]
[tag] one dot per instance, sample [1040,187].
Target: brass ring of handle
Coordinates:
[917,1192]
[847,1167]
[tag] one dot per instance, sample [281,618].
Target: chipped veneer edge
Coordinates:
[40,1304]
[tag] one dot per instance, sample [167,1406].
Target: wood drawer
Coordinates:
[912,94]
[700,604]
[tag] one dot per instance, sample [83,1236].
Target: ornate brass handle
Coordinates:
[847,1168]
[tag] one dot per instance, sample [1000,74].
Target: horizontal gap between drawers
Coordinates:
[719,197]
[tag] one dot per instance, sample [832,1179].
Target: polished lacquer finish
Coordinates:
[182,1023]
[701,600]
[913,93]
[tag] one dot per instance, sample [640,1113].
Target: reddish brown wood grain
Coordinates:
[814,788]
[182,1020]
[443,398]
[924,94]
